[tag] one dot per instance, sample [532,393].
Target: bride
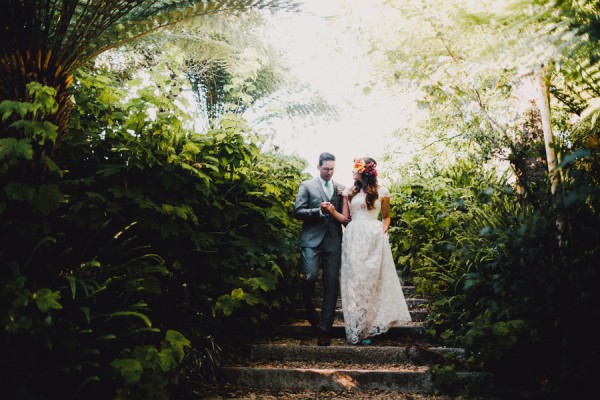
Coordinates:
[372,298]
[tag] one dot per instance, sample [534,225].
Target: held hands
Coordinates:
[326,207]
[330,208]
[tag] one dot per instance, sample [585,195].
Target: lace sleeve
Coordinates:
[346,191]
[383,192]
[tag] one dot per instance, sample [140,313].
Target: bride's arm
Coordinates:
[385,213]
[343,217]
[346,209]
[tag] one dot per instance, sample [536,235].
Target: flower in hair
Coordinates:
[359,165]
[362,168]
[370,169]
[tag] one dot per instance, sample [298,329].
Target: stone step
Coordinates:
[320,377]
[302,328]
[323,377]
[409,291]
[233,392]
[418,314]
[380,352]
[411,302]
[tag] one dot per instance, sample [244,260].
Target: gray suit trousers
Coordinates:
[328,255]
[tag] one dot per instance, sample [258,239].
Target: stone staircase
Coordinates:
[398,362]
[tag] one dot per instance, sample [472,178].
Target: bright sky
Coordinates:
[322,53]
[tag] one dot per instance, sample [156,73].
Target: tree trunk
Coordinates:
[542,78]
[20,68]
[543,102]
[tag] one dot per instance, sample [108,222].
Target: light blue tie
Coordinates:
[328,190]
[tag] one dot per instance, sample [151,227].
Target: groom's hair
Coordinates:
[326,157]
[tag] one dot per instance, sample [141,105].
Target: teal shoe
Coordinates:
[366,342]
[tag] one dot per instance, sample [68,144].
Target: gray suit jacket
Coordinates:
[310,195]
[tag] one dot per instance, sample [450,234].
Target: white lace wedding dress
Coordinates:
[372,298]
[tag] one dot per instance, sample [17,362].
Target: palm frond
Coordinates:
[70,32]
[46,41]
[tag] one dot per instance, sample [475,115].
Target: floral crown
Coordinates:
[362,168]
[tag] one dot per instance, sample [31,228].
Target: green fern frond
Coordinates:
[71,32]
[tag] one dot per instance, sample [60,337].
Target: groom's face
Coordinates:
[326,170]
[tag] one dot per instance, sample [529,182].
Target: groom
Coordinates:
[320,244]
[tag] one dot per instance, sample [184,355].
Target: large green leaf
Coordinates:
[47,198]
[130,369]
[46,299]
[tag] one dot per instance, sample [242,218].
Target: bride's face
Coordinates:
[356,175]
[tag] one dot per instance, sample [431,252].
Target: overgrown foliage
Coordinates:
[144,231]
[499,283]
[506,264]
[47,41]
[135,249]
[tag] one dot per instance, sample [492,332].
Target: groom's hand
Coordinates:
[325,207]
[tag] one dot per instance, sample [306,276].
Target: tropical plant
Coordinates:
[50,40]
[209,248]
[477,59]
[440,211]
[84,302]
[498,283]
[230,67]
[213,223]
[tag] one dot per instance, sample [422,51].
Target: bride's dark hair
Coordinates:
[369,182]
